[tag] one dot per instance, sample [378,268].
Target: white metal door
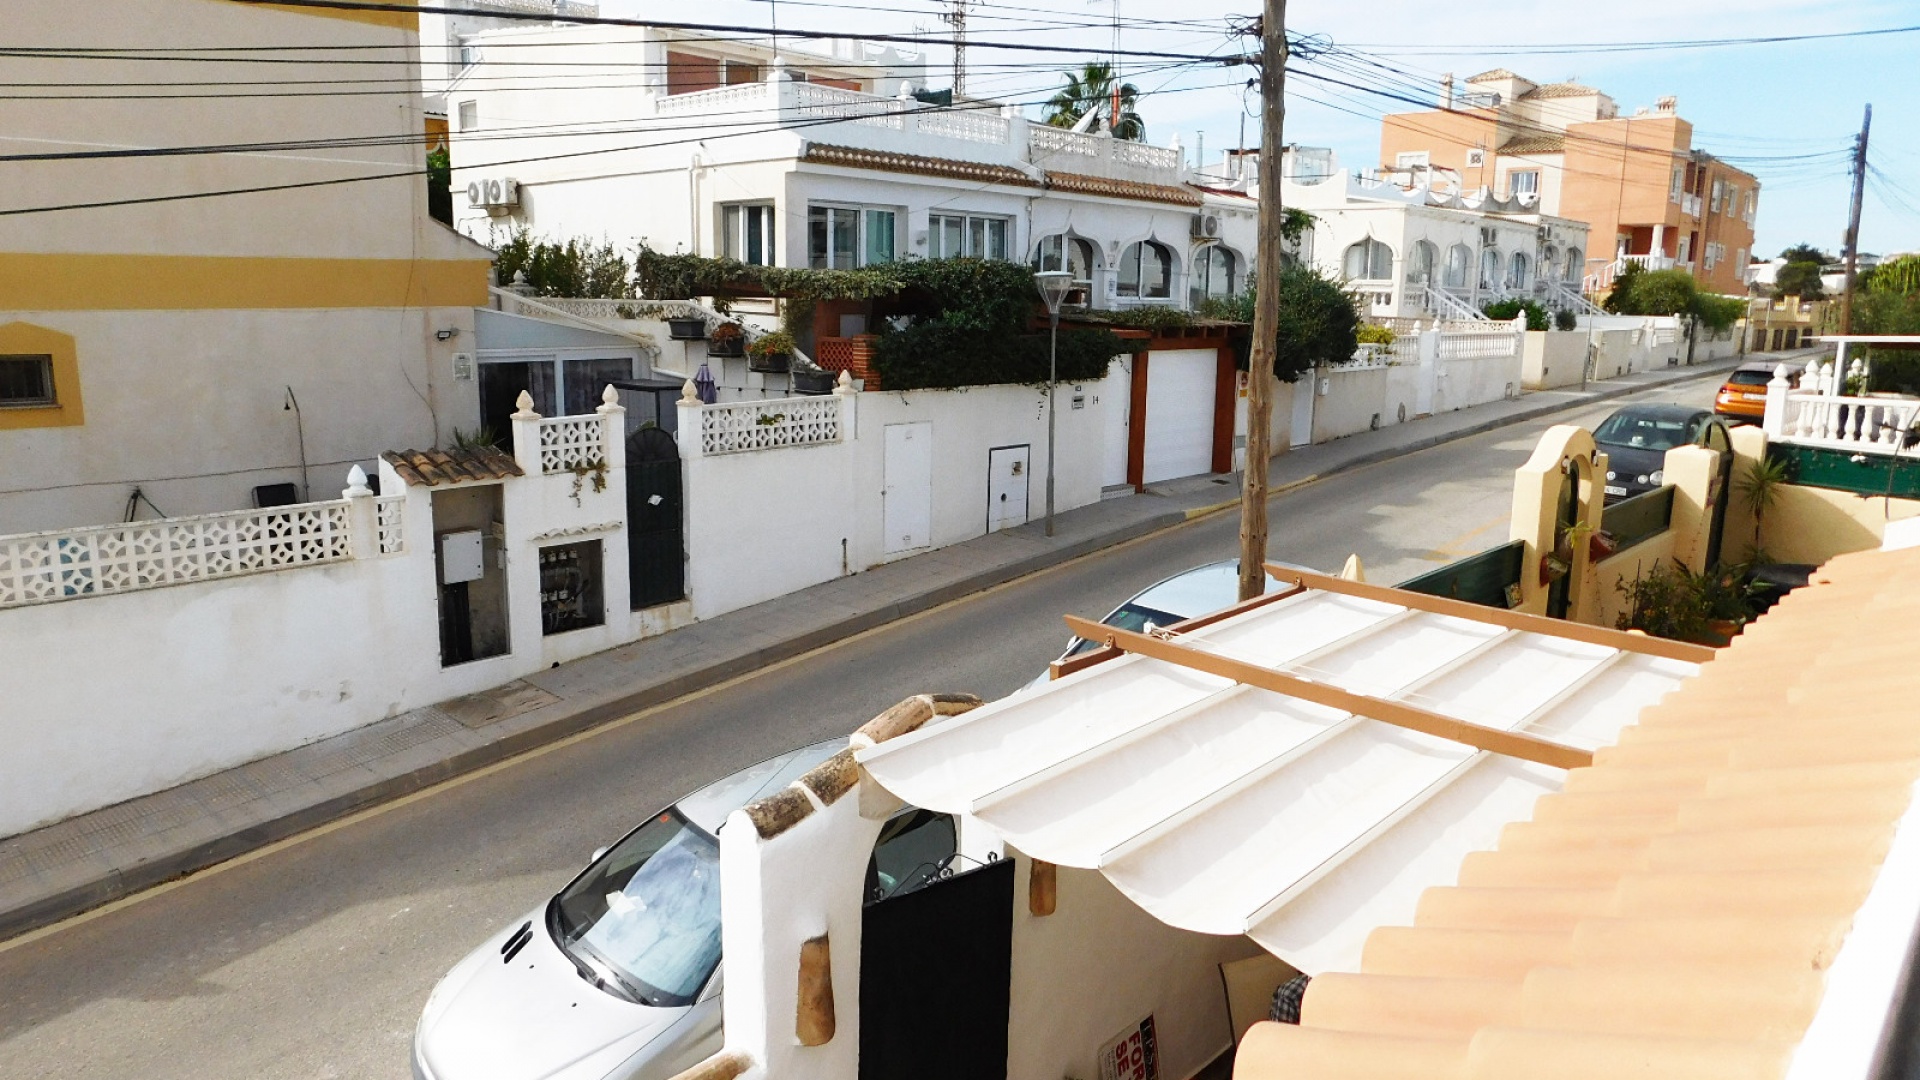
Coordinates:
[1007,470]
[1179,439]
[1116,398]
[1303,394]
[908,500]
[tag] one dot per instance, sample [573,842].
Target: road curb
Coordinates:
[119,883]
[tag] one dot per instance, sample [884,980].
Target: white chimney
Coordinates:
[1446,90]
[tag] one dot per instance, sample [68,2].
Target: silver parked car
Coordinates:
[617,977]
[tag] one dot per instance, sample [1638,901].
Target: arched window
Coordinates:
[1576,265]
[1370,260]
[1216,272]
[1490,268]
[1517,271]
[1459,263]
[1548,260]
[1146,270]
[1072,254]
[1420,262]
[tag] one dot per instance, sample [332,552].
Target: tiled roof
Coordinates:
[1535,144]
[1123,189]
[1673,912]
[1493,76]
[889,161]
[1560,90]
[431,468]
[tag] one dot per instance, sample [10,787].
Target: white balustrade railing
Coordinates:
[1499,340]
[738,98]
[570,443]
[388,522]
[1045,138]
[1367,355]
[1863,424]
[971,126]
[737,427]
[813,101]
[40,568]
[1452,308]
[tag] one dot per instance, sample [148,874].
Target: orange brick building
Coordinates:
[1635,178]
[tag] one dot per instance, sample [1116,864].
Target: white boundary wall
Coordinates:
[767,522]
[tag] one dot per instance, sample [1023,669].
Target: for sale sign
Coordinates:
[1133,1055]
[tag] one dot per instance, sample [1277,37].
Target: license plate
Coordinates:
[1754,397]
[1616,489]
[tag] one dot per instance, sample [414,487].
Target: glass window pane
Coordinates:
[879,237]
[817,237]
[1380,265]
[1156,268]
[1355,264]
[952,237]
[976,237]
[1049,253]
[1080,261]
[650,910]
[844,228]
[996,238]
[1130,271]
[586,379]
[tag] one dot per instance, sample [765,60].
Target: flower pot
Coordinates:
[1601,545]
[771,363]
[813,382]
[1723,630]
[686,329]
[727,348]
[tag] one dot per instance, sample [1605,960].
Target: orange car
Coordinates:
[1744,395]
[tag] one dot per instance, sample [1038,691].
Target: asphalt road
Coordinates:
[313,958]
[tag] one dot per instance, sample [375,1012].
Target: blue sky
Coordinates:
[1786,112]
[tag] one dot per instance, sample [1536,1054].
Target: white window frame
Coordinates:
[467,114]
[1413,159]
[864,230]
[1678,185]
[1138,249]
[1514,189]
[968,241]
[736,222]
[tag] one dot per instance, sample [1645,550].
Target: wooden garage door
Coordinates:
[1179,439]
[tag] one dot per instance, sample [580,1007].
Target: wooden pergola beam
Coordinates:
[1062,668]
[1511,620]
[1398,713]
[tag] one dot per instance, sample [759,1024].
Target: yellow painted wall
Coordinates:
[67,409]
[84,282]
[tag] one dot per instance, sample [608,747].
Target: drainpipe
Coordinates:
[693,203]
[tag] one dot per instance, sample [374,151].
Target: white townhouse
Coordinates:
[1414,251]
[826,160]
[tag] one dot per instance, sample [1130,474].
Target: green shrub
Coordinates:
[1373,334]
[1157,319]
[1508,310]
[1565,320]
[929,355]
[574,268]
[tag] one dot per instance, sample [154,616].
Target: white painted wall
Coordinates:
[116,696]
[1099,965]
[764,523]
[1553,358]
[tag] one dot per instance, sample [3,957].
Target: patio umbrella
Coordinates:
[703,385]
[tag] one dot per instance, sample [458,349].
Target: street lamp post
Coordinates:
[1053,285]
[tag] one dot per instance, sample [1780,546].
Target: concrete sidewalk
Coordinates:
[63,869]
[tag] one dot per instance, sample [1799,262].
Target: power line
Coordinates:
[1576,48]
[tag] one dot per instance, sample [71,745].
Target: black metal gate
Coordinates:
[656,554]
[935,977]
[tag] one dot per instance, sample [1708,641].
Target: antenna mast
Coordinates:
[957,18]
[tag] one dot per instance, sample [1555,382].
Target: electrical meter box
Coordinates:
[461,557]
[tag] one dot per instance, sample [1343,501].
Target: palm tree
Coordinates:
[1091,90]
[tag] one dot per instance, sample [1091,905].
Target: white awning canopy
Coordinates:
[1227,808]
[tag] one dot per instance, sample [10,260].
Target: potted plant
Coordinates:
[728,339]
[770,352]
[807,381]
[689,328]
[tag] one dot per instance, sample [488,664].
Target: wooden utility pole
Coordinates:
[1853,222]
[1266,307]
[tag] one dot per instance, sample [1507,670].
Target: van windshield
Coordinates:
[645,917]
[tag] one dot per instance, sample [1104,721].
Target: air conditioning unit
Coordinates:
[1206,226]
[493,193]
[1489,236]
[1476,159]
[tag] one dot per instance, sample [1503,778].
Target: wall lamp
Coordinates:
[444,335]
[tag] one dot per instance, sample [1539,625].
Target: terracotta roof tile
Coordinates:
[1535,144]
[1492,76]
[1560,90]
[1123,189]
[1672,912]
[432,468]
[889,161]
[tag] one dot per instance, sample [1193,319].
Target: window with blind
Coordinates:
[26,381]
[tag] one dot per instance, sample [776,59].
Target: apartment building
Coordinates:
[294,308]
[1646,193]
[445,51]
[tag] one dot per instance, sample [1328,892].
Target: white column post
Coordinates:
[1775,421]
[849,399]
[363,528]
[613,423]
[526,434]
[688,435]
